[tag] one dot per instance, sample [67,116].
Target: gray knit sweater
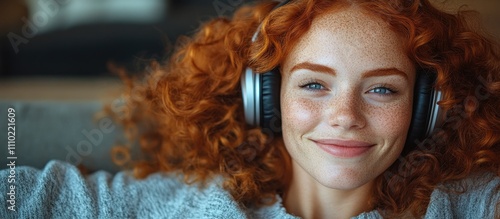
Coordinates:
[60,191]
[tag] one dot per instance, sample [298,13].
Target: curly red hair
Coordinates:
[190,113]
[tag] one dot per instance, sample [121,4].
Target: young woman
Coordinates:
[352,83]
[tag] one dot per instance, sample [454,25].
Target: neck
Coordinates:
[307,198]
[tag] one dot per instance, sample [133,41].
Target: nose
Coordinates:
[345,111]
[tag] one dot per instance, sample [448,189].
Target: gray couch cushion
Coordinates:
[68,131]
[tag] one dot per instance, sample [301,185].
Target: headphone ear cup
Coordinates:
[270,101]
[422,104]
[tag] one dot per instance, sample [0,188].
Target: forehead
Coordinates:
[355,25]
[349,33]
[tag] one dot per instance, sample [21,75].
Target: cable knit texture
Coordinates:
[60,191]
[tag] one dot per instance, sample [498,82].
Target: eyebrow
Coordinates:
[313,67]
[384,72]
[371,73]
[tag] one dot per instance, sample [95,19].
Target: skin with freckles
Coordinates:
[346,101]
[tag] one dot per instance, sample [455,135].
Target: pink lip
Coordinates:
[343,148]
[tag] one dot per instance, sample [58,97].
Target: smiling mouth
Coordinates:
[343,148]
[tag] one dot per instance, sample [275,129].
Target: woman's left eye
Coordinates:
[382,91]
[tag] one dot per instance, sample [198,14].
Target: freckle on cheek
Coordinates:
[300,112]
[394,119]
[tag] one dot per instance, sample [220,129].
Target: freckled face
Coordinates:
[346,99]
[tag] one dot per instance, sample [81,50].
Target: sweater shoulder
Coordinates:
[60,190]
[477,196]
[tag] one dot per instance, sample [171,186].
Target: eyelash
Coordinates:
[383,86]
[308,83]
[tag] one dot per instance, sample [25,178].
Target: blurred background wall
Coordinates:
[49,46]
[78,37]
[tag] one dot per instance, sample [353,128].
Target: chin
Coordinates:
[345,179]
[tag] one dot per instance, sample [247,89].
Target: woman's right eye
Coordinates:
[314,86]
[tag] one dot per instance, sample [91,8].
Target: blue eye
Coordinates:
[382,91]
[313,86]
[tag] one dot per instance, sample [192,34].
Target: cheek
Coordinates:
[393,121]
[298,114]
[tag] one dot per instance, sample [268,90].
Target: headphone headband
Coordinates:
[256,34]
